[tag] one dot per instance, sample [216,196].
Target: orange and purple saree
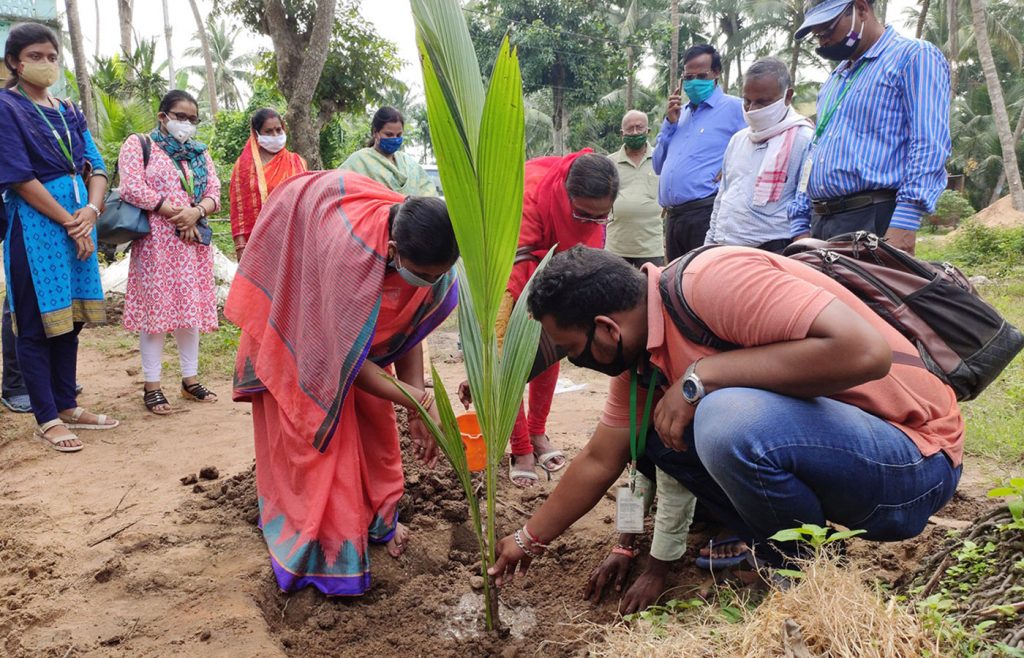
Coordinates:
[314,299]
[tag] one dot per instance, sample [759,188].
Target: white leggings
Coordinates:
[152,348]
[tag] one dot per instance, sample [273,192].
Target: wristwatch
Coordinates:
[693,387]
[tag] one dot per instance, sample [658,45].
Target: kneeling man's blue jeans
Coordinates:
[763,462]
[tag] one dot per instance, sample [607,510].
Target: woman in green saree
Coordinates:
[382,161]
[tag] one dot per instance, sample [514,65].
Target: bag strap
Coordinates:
[670,285]
[147,146]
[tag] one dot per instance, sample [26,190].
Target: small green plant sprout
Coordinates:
[814,536]
[811,535]
[659,615]
[1014,491]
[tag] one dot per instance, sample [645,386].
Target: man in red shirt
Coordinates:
[824,414]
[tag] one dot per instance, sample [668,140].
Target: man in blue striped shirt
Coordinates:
[877,162]
[690,147]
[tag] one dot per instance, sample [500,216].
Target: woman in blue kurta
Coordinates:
[53,280]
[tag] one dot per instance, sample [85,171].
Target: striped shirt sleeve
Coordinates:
[926,98]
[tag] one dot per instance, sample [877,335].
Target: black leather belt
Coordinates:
[852,202]
[691,205]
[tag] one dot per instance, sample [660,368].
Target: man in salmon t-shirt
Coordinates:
[824,414]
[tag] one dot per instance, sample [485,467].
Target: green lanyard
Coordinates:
[186,181]
[826,117]
[65,148]
[638,440]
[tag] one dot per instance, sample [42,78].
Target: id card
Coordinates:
[805,174]
[629,511]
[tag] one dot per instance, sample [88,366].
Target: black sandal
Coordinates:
[155,398]
[197,392]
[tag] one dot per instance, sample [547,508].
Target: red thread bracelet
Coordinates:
[624,550]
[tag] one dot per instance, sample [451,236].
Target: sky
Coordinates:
[392,19]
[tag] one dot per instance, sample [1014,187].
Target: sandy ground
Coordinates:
[106,553]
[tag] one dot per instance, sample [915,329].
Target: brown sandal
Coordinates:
[197,392]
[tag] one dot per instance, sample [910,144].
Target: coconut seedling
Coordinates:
[478,137]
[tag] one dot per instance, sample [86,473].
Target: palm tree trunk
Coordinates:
[630,78]
[881,7]
[995,93]
[170,54]
[673,64]
[96,52]
[1018,132]
[794,55]
[922,17]
[204,41]
[558,116]
[953,25]
[124,15]
[81,67]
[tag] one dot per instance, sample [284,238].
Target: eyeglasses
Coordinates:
[697,76]
[181,116]
[636,131]
[603,220]
[827,31]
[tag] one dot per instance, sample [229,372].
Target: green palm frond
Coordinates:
[479,140]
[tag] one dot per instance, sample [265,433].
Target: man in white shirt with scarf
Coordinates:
[761,170]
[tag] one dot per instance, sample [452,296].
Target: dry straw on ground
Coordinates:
[831,613]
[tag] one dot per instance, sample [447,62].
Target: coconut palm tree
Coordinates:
[229,68]
[995,92]
[81,69]
[204,44]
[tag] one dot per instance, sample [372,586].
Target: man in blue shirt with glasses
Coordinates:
[877,160]
[690,148]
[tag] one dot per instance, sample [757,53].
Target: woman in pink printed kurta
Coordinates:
[170,280]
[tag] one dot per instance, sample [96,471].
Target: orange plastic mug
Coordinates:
[473,441]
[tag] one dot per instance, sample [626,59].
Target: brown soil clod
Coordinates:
[209,473]
[189,479]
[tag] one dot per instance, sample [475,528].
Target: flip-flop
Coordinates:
[100,424]
[545,457]
[714,564]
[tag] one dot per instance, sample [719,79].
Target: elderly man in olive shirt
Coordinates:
[636,233]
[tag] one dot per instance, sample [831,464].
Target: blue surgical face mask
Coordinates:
[390,144]
[407,275]
[698,91]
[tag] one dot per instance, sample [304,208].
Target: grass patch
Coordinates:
[995,421]
[217,350]
[830,611]
[222,237]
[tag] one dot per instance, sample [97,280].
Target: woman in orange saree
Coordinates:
[264,164]
[343,280]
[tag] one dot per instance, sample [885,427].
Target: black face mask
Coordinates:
[837,52]
[586,358]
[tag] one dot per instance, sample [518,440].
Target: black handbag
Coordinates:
[120,221]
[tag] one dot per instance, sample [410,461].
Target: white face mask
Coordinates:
[272,143]
[181,130]
[766,117]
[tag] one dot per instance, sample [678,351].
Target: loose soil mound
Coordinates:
[425,604]
[1000,214]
